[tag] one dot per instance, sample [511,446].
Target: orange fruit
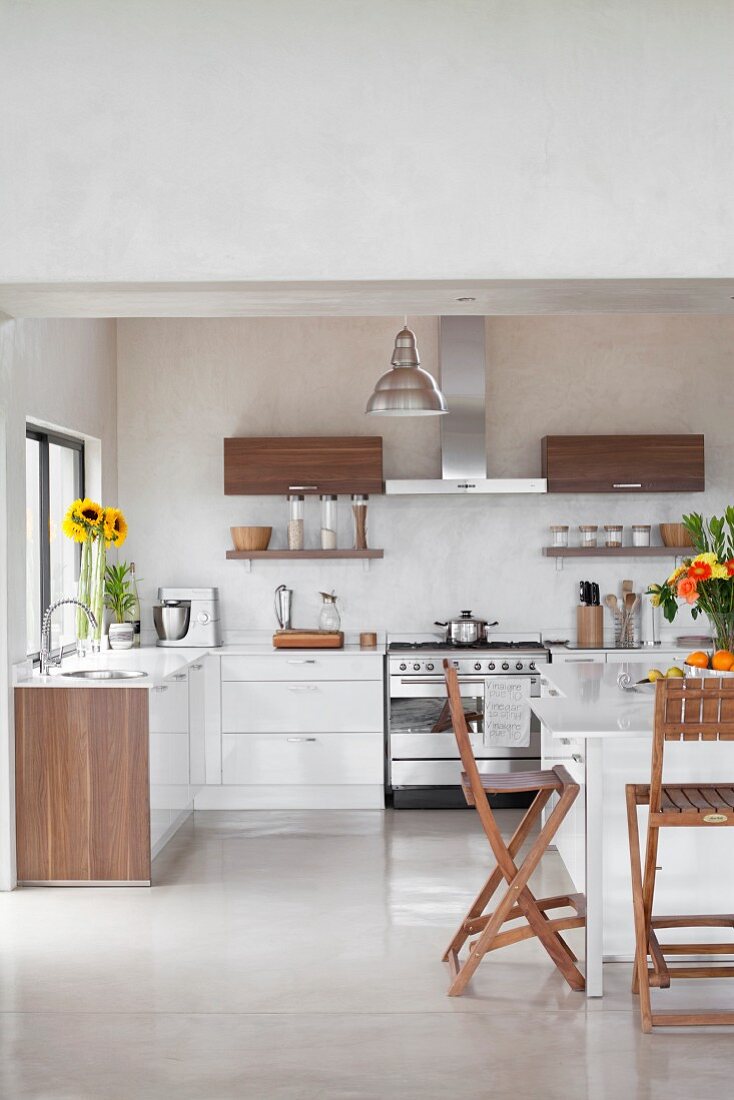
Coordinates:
[722,660]
[698,659]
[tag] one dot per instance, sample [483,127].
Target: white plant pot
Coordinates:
[121,635]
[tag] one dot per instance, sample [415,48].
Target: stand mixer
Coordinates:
[188,617]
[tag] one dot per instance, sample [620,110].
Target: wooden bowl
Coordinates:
[675,534]
[251,538]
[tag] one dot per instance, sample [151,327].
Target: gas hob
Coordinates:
[494,657]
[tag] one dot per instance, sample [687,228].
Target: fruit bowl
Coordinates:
[694,670]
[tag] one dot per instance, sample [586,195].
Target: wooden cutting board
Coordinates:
[308,639]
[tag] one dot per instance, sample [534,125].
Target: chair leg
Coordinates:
[490,887]
[640,974]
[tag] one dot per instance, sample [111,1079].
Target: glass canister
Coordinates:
[613,534]
[641,534]
[359,511]
[295,522]
[588,533]
[328,522]
[559,535]
[329,618]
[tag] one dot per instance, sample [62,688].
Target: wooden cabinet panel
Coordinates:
[623,463]
[272,465]
[81,774]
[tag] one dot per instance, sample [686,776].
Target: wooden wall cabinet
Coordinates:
[275,465]
[623,463]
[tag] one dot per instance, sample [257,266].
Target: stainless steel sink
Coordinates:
[105,674]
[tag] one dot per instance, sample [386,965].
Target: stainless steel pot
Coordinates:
[466,630]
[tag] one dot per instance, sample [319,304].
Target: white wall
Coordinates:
[185,384]
[61,373]
[345,139]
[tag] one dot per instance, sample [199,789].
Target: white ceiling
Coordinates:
[375,298]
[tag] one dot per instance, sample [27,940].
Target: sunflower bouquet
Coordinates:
[704,581]
[96,528]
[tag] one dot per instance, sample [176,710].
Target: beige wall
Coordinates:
[62,373]
[183,385]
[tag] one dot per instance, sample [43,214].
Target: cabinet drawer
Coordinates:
[318,758]
[169,707]
[302,706]
[169,758]
[303,666]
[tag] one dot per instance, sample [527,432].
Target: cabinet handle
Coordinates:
[180,676]
[580,661]
[577,757]
[161,687]
[627,485]
[302,687]
[300,740]
[305,661]
[302,488]
[196,668]
[565,740]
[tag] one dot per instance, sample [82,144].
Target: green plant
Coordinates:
[118,595]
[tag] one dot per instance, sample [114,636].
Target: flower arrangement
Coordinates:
[704,581]
[96,528]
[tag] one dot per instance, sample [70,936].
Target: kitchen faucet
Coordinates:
[47,661]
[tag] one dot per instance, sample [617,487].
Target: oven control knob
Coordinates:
[416,668]
[532,665]
[518,666]
[403,667]
[429,668]
[478,667]
[490,666]
[505,666]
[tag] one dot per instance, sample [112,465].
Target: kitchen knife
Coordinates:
[582,592]
[595,599]
[587,593]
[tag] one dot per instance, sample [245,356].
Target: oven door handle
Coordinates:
[439,680]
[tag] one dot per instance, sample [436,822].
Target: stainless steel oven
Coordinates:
[423,760]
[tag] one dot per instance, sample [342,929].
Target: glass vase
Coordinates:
[91,592]
[722,629]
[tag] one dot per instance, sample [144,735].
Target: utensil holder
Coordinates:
[589,627]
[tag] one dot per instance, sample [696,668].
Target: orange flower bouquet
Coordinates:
[706,581]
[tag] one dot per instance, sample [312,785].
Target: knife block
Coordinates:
[589,627]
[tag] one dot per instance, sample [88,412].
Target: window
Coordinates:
[54,477]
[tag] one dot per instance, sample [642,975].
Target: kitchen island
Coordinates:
[602,734]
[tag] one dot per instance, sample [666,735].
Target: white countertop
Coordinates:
[590,703]
[161,662]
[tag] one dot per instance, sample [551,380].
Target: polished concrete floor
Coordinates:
[296,956]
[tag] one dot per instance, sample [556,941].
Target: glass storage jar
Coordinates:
[613,534]
[641,534]
[329,618]
[328,522]
[588,534]
[359,511]
[559,535]
[295,522]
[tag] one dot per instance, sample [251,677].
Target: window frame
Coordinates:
[45,437]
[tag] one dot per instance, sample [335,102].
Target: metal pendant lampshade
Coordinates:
[406,389]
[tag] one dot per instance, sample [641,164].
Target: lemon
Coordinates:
[674,672]
[654,674]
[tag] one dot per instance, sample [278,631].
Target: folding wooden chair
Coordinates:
[518,901]
[687,710]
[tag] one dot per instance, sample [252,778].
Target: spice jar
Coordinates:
[588,534]
[613,534]
[295,523]
[328,522]
[359,511]
[641,534]
[559,535]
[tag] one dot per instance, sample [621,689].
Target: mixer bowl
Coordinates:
[171,620]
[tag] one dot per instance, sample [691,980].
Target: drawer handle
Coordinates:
[627,485]
[577,757]
[161,687]
[565,740]
[302,687]
[180,676]
[305,661]
[196,668]
[580,660]
[300,740]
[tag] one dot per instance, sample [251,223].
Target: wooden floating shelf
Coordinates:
[255,555]
[249,556]
[618,551]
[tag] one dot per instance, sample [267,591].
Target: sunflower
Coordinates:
[71,526]
[89,512]
[115,527]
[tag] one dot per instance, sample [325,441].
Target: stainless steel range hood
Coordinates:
[463,430]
